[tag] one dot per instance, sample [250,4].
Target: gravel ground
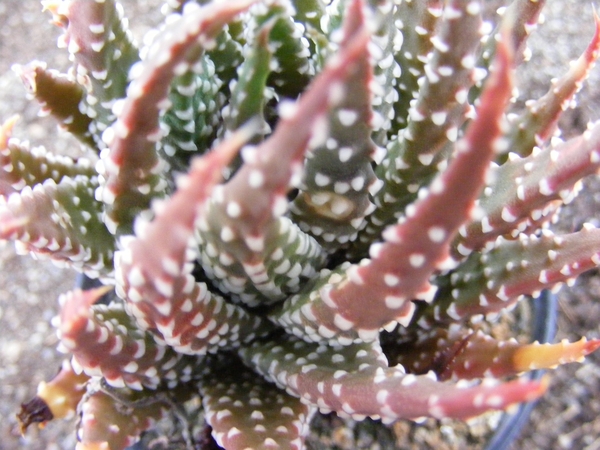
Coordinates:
[568,417]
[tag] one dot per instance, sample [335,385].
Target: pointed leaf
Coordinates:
[537,124]
[399,270]
[131,168]
[519,19]
[491,281]
[101,45]
[334,192]
[460,353]
[58,95]
[389,40]
[528,191]
[61,221]
[434,118]
[155,268]
[244,228]
[345,380]
[21,165]
[55,399]
[106,342]
[418,22]
[293,67]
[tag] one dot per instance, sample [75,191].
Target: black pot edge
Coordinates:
[545,308]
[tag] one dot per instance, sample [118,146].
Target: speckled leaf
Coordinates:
[309,12]
[433,118]
[249,93]
[248,96]
[496,278]
[241,237]
[131,167]
[292,67]
[58,95]
[97,37]
[519,19]
[355,381]
[334,193]
[105,424]
[245,411]
[400,268]
[61,221]
[228,52]
[194,115]
[22,165]
[539,120]
[106,342]
[154,269]
[387,41]
[313,17]
[526,192]
[417,22]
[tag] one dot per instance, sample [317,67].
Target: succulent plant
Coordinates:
[300,207]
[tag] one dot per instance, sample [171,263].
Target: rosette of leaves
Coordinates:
[277,185]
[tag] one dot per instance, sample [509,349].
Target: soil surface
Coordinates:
[567,417]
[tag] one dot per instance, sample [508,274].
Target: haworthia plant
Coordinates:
[279,184]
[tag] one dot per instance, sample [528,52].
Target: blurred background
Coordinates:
[569,415]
